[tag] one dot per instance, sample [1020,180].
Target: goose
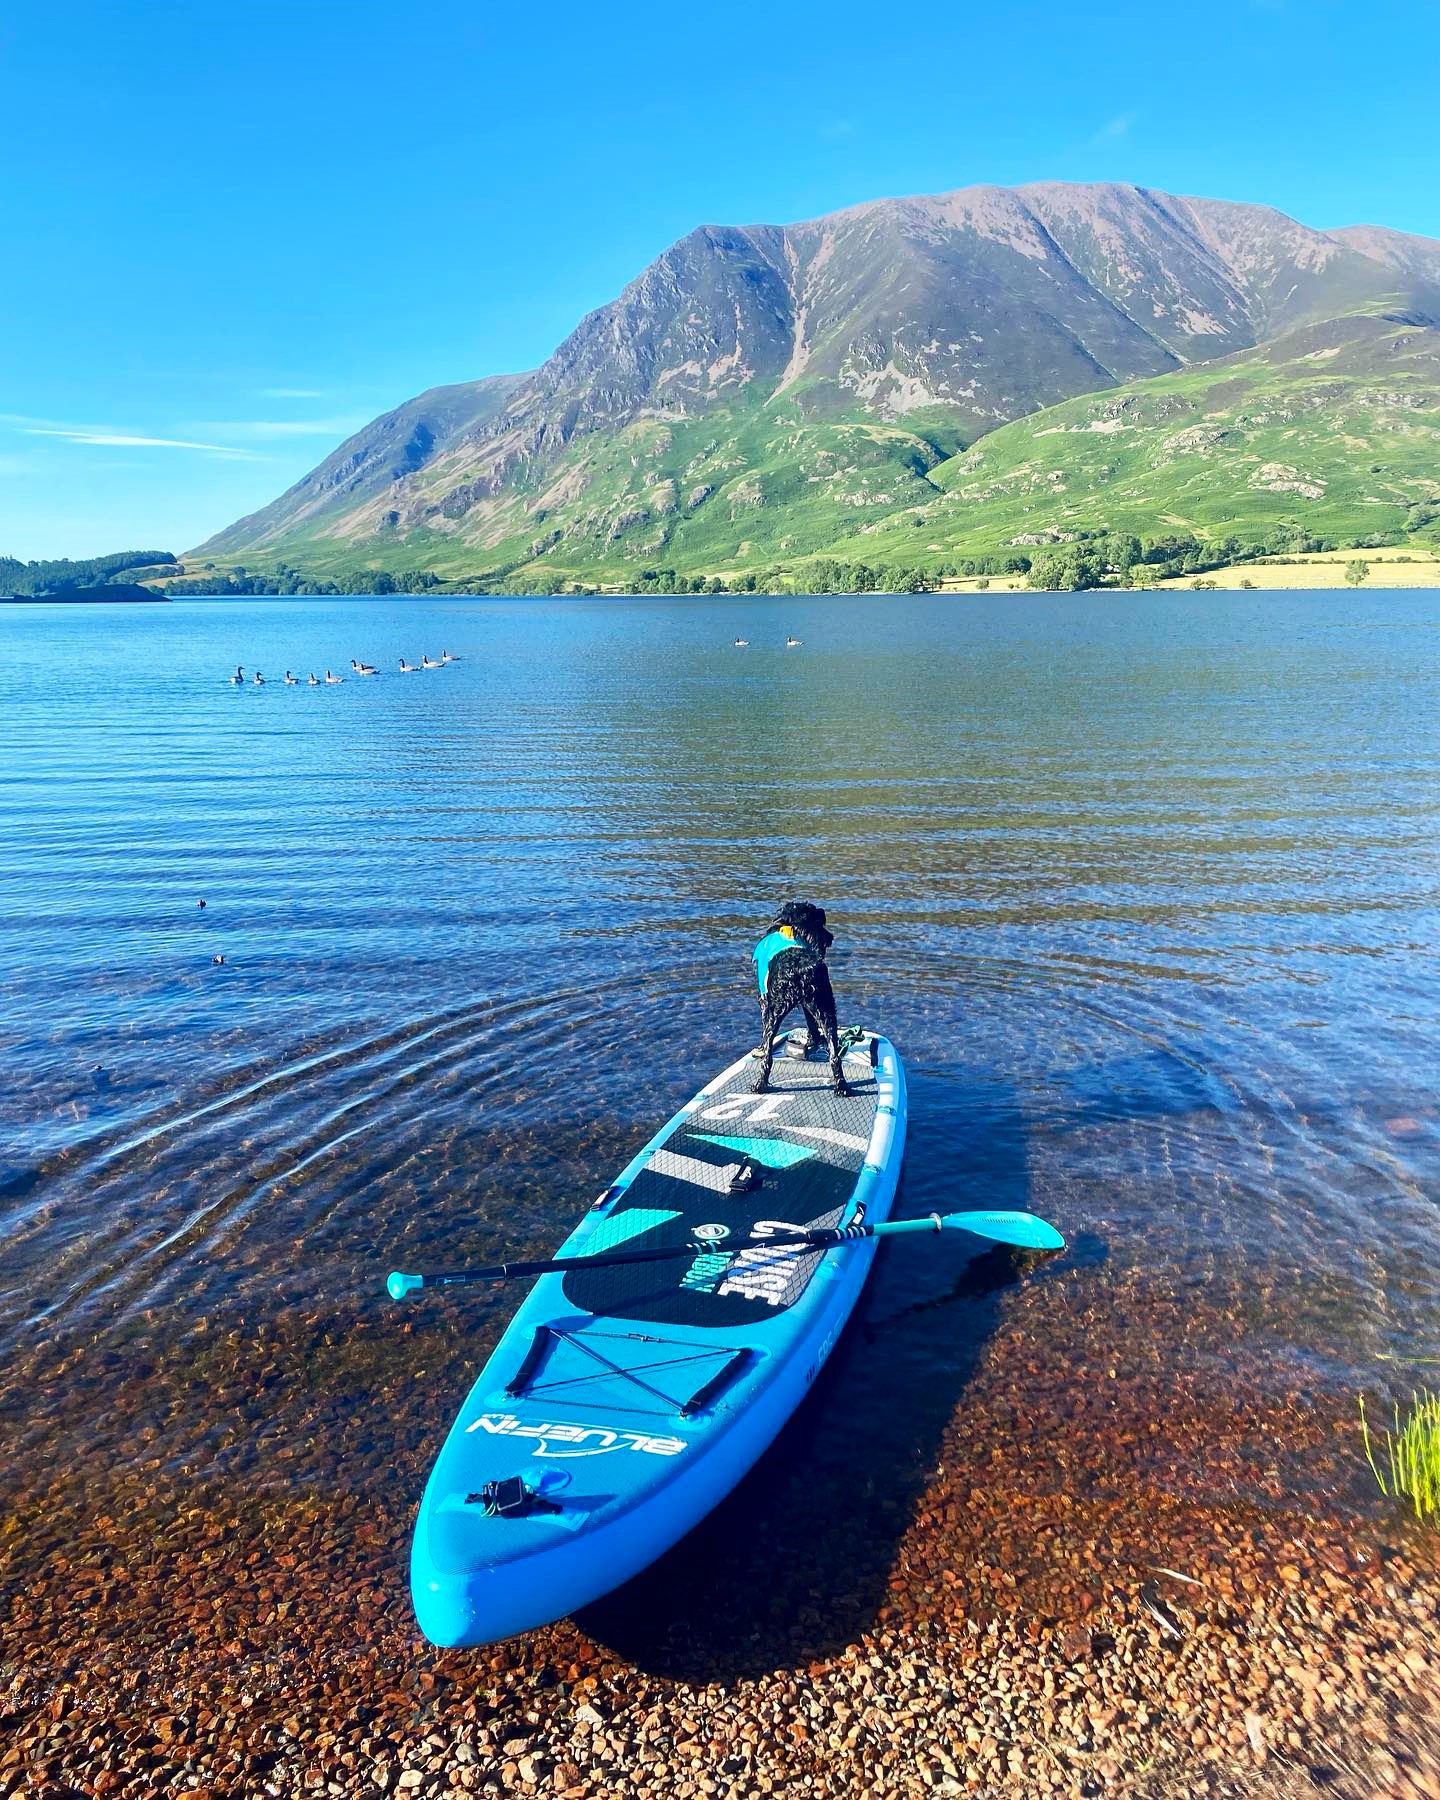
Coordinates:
[445,657]
[238,678]
[429,662]
[291,680]
[792,643]
[259,679]
[742,643]
[314,680]
[333,680]
[362,668]
[409,668]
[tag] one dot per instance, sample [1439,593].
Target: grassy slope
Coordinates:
[782,484]
[1336,428]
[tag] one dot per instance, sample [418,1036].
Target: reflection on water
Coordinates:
[1143,888]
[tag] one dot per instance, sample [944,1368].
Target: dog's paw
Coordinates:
[759,1085]
[843,1090]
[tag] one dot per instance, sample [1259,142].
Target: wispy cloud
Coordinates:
[1115,129]
[283,428]
[128,440]
[292,393]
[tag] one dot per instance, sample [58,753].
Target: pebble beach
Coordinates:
[1051,1607]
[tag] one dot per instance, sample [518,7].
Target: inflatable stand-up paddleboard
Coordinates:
[624,1401]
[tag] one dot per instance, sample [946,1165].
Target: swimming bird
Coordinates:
[291,680]
[333,680]
[238,678]
[445,657]
[409,668]
[363,668]
[314,679]
[792,643]
[259,679]
[429,662]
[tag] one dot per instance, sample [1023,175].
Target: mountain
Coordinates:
[765,392]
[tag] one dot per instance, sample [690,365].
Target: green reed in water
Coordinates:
[1412,1454]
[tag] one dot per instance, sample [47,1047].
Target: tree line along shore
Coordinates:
[1055,563]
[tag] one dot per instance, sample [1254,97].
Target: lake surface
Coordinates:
[1143,888]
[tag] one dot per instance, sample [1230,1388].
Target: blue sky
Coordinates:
[230,234]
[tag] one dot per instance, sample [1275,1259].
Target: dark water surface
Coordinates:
[1143,888]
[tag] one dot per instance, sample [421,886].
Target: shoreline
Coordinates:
[1063,1599]
[1408,566]
[1317,574]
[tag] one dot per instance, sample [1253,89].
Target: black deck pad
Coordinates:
[806,1144]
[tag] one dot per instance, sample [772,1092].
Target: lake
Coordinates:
[1143,888]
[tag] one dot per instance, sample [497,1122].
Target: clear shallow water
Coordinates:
[1144,889]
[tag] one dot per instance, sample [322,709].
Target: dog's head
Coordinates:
[807,922]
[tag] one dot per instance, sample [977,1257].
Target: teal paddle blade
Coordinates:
[1020,1228]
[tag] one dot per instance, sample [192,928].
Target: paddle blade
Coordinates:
[399,1285]
[1020,1228]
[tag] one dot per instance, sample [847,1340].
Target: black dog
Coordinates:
[790,971]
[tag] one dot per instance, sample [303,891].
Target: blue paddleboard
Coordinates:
[625,1401]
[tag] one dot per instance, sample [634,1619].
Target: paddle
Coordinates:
[1019,1228]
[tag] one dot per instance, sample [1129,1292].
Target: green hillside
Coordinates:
[741,487]
[1334,430]
[122,569]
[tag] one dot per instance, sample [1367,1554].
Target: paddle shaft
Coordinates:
[824,1238]
[1021,1229]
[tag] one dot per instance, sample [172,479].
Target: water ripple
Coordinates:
[1146,896]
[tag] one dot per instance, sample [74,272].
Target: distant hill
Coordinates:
[64,576]
[763,394]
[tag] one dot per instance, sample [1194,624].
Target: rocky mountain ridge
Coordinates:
[848,354]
